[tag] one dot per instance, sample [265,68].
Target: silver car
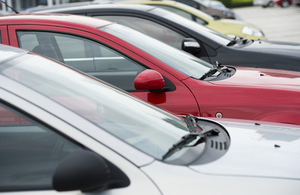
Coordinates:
[63,131]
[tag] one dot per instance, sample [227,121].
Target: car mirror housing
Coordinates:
[149,80]
[81,170]
[191,46]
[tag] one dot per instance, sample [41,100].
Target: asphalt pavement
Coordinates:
[278,24]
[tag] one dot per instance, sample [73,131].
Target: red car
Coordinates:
[155,72]
[283,3]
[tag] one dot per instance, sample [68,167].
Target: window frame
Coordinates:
[95,72]
[27,116]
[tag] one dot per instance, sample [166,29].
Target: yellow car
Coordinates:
[225,26]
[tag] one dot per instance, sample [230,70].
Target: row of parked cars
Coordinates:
[132,99]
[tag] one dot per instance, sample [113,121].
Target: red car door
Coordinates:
[3,35]
[107,58]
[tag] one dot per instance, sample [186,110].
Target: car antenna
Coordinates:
[9,7]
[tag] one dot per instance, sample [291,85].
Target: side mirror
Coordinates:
[149,80]
[81,170]
[191,46]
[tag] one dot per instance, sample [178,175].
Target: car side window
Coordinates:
[149,28]
[29,152]
[176,11]
[85,55]
[200,21]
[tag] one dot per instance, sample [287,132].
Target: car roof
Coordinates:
[95,6]
[55,19]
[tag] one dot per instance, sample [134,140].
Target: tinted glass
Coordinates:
[215,36]
[176,11]
[195,11]
[85,55]
[29,152]
[179,60]
[149,28]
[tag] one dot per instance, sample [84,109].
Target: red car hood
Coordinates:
[263,78]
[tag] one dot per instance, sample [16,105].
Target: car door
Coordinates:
[103,59]
[30,153]
[3,35]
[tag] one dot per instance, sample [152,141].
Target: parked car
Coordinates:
[214,8]
[283,3]
[264,3]
[271,3]
[225,26]
[51,143]
[156,72]
[172,29]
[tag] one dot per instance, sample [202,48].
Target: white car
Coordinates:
[264,3]
[63,131]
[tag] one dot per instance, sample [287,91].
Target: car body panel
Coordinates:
[190,181]
[263,139]
[3,35]
[248,102]
[260,77]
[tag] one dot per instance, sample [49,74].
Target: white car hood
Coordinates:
[258,151]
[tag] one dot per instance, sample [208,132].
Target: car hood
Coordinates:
[258,150]
[278,49]
[263,78]
[229,25]
[232,27]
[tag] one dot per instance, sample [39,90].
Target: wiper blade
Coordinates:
[212,71]
[187,139]
[233,41]
[240,40]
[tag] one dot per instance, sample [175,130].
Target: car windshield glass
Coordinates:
[141,125]
[179,60]
[189,24]
[195,11]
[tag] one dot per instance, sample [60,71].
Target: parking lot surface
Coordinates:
[278,24]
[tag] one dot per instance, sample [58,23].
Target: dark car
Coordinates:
[173,29]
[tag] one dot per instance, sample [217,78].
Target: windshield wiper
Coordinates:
[240,40]
[185,140]
[233,41]
[212,71]
[191,123]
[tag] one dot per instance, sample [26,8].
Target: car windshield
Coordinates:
[177,59]
[194,10]
[141,125]
[218,37]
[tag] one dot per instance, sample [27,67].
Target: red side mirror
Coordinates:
[149,80]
